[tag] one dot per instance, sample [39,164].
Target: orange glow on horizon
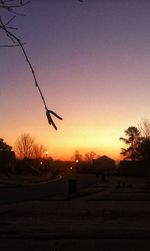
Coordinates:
[63,143]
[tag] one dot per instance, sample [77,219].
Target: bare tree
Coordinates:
[77,156]
[38,151]
[24,146]
[89,156]
[144,128]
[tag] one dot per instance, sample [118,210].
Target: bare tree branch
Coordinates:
[17,42]
[11,6]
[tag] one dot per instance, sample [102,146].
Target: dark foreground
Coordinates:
[101,217]
[75,245]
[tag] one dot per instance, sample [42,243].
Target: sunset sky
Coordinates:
[92,62]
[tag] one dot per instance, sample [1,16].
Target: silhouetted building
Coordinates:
[104,163]
[7,161]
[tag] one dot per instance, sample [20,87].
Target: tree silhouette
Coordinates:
[4,146]
[24,146]
[27,148]
[133,142]
[77,156]
[89,156]
[144,128]
[38,151]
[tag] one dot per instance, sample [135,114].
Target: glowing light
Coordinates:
[46,154]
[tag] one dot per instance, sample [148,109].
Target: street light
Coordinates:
[46,154]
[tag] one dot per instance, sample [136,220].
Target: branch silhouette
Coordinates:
[17,42]
[9,6]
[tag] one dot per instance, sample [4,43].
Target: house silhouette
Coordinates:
[104,163]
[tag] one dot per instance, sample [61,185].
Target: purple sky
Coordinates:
[92,62]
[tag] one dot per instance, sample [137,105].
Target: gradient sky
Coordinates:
[92,62]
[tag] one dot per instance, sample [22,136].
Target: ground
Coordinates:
[110,215]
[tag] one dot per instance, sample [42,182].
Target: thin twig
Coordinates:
[15,38]
[4,5]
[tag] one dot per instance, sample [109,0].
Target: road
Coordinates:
[31,192]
